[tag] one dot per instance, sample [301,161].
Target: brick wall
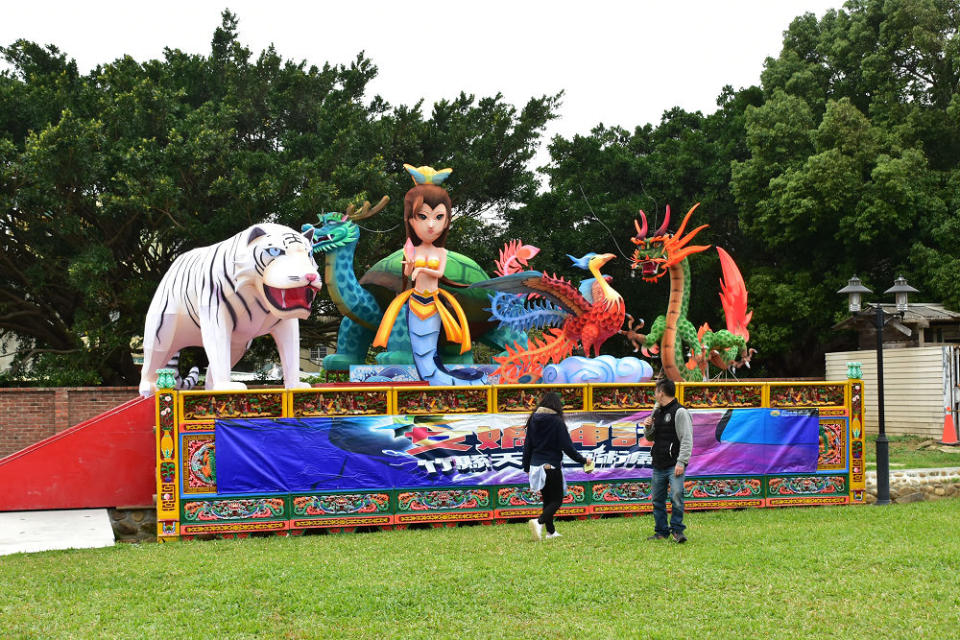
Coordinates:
[31,414]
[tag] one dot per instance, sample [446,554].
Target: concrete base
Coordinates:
[30,531]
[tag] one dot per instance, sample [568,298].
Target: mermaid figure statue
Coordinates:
[428,308]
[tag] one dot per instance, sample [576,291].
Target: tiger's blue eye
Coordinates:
[274,251]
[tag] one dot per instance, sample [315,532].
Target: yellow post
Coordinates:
[168,472]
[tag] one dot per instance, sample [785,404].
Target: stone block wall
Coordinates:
[28,415]
[134,524]
[917,485]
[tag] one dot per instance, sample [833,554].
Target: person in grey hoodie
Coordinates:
[546,441]
[670,429]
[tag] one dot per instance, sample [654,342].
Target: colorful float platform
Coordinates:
[231,464]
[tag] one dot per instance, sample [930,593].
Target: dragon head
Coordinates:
[335,230]
[655,255]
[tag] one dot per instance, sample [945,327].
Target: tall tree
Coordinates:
[853,160]
[106,177]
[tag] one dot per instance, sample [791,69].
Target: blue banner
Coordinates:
[289,455]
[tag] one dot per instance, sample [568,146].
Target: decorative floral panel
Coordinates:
[807,485]
[167,471]
[523,497]
[239,405]
[724,488]
[621,491]
[819,395]
[341,503]
[435,401]
[197,427]
[235,509]
[424,500]
[625,397]
[199,464]
[346,402]
[856,398]
[166,457]
[832,445]
[525,399]
[722,396]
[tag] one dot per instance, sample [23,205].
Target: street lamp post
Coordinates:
[901,291]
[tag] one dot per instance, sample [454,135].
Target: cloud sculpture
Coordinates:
[580,370]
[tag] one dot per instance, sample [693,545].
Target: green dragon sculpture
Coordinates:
[673,335]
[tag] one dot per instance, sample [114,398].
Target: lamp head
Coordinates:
[855,291]
[901,291]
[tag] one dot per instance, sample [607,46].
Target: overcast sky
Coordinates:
[619,63]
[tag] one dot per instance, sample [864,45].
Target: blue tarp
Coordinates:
[289,455]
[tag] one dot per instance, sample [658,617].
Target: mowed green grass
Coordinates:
[827,572]
[904,454]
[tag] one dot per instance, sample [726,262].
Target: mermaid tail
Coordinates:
[424,335]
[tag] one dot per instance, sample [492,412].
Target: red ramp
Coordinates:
[107,461]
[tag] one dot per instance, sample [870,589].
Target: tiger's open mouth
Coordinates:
[289,299]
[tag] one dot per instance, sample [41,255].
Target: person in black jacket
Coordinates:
[546,441]
[670,429]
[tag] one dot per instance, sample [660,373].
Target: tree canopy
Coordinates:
[845,160]
[106,177]
[853,165]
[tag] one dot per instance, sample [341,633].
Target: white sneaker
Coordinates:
[555,534]
[536,529]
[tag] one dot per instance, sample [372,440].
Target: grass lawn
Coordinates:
[828,572]
[904,454]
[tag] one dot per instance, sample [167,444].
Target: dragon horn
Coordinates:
[641,231]
[663,228]
[366,211]
[683,225]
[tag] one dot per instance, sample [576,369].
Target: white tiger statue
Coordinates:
[262,280]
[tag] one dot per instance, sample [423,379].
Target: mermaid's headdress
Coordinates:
[427,175]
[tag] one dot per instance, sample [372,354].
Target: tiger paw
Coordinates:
[229,386]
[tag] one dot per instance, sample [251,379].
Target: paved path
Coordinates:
[29,531]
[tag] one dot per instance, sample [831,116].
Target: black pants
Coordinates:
[552,493]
